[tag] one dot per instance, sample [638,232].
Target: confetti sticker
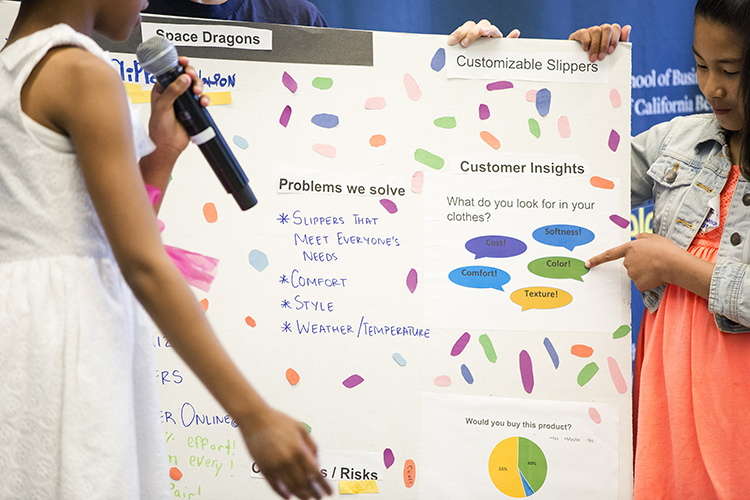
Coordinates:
[484,111]
[240,142]
[429,159]
[175,474]
[595,417]
[582,351]
[209,212]
[543,101]
[389,206]
[285,116]
[614,98]
[534,128]
[411,280]
[587,373]
[410,473]
[601,183]
[325,150]
[445,122]
[527,371]
[375,103]
[620,221]
[398,358]
[443,381]
[621,332]
[563,127]
[614,140]
[489,349]
[412,88]
[616,374]
[417,182]
[250,321]
[388,458]
[325,120]
[531,95]
[502,85]
[289,82]
[460,344]
[258,260]
[322,83]
[204,304]
[438,60]
[490,139]
[377,140]
[552,352]
[292,376]
[466,373]
[353,381]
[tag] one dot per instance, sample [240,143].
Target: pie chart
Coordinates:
[517,467]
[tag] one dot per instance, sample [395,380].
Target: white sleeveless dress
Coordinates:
[79,411]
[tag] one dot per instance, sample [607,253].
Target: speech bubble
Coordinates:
[479,277]
[563,235]
[495,246]
[541,297]
[558,268]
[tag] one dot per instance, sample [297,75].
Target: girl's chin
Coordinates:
[727,122]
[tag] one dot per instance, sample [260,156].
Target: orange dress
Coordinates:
[692,394]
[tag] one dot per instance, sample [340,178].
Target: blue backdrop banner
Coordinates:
[664,81]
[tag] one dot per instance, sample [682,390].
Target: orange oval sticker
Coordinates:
[410,473]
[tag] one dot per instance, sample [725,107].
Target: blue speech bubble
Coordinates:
[479,277]
[495,246]
[562,235]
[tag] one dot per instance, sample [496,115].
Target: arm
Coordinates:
[80,95]
[166,132]
[652,260]
[468,32]
[599,41]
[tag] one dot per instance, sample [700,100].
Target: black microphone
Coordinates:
[158,56]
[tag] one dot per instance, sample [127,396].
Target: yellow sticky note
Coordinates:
[219,98]
[139,96]
[136,93]
[354,487]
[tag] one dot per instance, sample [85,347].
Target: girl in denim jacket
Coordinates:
[692,368]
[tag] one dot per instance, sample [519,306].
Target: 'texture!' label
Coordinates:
[540,297]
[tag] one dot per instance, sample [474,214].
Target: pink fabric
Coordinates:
[692,388]
[199,270]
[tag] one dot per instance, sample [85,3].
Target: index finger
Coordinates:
[607,256]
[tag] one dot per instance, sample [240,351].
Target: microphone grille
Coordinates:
[157,55]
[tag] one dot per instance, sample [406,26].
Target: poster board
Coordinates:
[410,283]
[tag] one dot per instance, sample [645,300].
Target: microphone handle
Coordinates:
[202,130]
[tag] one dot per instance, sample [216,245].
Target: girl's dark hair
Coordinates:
[731,13]
[735,14]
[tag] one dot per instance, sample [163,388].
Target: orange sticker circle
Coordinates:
[410,473]
[210,213]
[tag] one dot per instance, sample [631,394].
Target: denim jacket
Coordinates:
[682,165]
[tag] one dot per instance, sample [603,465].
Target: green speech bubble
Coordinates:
[558,268]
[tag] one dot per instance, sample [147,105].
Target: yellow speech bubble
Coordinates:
[541,297]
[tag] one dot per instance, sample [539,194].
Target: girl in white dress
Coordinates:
[80,260]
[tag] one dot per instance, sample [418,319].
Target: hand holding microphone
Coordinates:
[158,56]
